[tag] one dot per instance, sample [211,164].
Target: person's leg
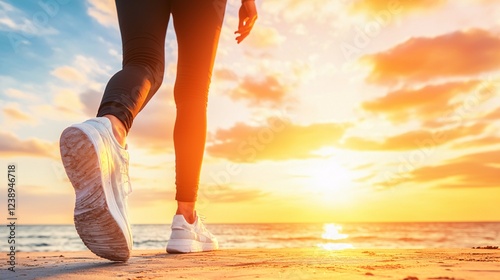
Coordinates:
[197,25]
[143,27]
[93,152]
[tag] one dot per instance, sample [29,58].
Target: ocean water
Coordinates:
[328,236]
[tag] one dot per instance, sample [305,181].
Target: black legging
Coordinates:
[143,26]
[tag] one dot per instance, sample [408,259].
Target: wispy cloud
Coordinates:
[14,20]
[225,74]
[14,114]
[422,59]
[84,70]
[295,10]
[423,103]
[375,6]
[269,90]
[63,105]
[68,74]
[104,12]
[478,142]
[229,194]
[278,140]
[478,170]
[265,37]
[150,197]
[11,145]
[414,139]
[21,95]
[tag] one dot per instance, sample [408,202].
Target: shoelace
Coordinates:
[126,178]
[202,217]
[123,167]
[202,223]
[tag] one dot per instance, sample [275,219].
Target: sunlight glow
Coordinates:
[335,246]
[333,232]
[331,181]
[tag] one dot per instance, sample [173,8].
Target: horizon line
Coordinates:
[284,223]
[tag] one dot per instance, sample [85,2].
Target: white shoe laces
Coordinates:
[126,185]
[202,217]
[201,223]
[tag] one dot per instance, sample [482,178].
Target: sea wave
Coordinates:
[350,235]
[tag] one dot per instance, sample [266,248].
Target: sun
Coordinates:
[330,180]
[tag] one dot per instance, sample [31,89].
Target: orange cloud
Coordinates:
[21,95]
[225,74]
[11,145]
[424,103]
[258,92]
[366,178]
[13,112]
[470,171]
[265,37]
[69,74]
[294,11]
[479,142]
[362,166]
[103,11]
[467,108]
[374,6]
[422,59]
[278,140]
[493,115]
[228,194]
[214,194]
[414,139]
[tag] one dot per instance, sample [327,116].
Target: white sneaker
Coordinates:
[97,167]
[186,237]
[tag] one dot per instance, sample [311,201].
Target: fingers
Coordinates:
[247,18]
[245,28]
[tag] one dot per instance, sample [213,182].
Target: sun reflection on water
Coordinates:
[332,233]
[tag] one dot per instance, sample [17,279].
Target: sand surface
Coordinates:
[425,264]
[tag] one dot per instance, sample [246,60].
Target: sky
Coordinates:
[330,111]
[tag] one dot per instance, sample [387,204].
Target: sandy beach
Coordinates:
[408,264]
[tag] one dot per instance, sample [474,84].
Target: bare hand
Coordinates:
[248,16]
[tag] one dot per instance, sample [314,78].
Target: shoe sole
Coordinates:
[94,222]
[182,246]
